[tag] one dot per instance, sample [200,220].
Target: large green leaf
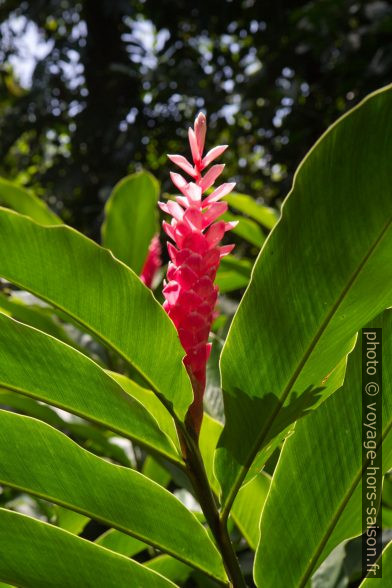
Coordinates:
[27,309]
[155,471]
[324,272]
[131,219]
[93,438]
[209,435]
[30,407]
[25,202]
[63,267]
[80,386]
[315,497]
[40,460]
[35,554]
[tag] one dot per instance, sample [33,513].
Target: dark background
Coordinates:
[92,90]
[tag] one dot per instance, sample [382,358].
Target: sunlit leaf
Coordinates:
[118,497]
[170,568]
[27,357]
[324,272]
[121,543]
[84,280]
[35,554]
[315,500]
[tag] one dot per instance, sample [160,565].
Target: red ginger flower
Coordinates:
[153,262]
[190,293]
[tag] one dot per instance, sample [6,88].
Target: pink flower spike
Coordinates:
[194,218]
[219,193]
[166,208]
[200,131]
[193,191]
[171,292]
[213,212]
[183,201]
[215,233]
[183,164]
[153,262]
[190,293]
[226,249]
[213,154]
[208,180]
[196,156]
[179,182]
[169,230]
[173,208]
[173,252]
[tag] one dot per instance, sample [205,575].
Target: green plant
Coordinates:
[103,349]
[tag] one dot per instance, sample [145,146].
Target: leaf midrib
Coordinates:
[255,448]
[113,525]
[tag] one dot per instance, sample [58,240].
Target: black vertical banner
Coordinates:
[371,452]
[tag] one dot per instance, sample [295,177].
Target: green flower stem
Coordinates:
[198,477]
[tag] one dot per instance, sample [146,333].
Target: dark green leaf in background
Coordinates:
[131,219]
[233,273]
[246,229]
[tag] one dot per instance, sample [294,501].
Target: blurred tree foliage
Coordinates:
[94,89]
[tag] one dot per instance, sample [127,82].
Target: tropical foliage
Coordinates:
[103,481]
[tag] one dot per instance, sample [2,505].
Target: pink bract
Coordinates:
[190,292]
[153,262]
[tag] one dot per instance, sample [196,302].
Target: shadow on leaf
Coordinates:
[261,420]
